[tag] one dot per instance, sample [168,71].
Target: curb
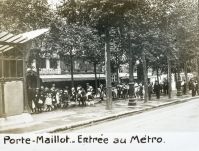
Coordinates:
[112,117]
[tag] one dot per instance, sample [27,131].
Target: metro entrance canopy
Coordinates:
[8,41]
[14,51]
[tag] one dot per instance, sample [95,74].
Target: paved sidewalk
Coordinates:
[63,119]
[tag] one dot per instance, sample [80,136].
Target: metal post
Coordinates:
[108,72]
[2,89]
[132,99]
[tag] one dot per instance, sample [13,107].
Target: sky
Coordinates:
[53,3]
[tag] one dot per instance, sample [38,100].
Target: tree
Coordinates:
[73,40]
[101,15]
[26,15]
[93,51]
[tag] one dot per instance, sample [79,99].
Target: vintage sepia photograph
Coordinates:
[98,66]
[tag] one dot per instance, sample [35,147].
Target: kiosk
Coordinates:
[14,53]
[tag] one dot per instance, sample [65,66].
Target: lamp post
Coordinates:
[132,99]
[179,90]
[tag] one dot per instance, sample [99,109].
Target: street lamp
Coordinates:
[178,85]
[132,99]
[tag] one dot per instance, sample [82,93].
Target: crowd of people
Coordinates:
[193,87]
[47,99]
[122,90]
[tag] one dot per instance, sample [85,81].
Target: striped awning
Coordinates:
[8,41]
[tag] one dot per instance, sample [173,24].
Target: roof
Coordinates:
[8,41]
[67,77]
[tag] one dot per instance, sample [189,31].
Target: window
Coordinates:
[19,68]
[13,68]
[6,68]
[53,63]
[77,65]
[43,63]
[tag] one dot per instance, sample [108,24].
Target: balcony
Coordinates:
[50,71]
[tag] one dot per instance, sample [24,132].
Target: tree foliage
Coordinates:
[24,15]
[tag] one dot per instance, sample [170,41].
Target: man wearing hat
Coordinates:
[157,89]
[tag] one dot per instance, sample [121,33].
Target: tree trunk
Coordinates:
[95,72]
[169,77]
[117,74]
[108,72]
[179,92]
[197,66]
[37,70]
[186,77]
[145,77]
[197,69]
[157,74]
[71,68]
[117,70]
[176,78]
[26,54]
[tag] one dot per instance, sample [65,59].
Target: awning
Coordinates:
[67,77]
[8,41]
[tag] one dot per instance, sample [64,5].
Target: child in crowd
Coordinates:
[49,102]
[58,98]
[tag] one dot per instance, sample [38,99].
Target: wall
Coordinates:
[13,97]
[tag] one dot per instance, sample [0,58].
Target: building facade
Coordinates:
[55,69]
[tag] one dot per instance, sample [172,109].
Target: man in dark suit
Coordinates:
[157,89]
